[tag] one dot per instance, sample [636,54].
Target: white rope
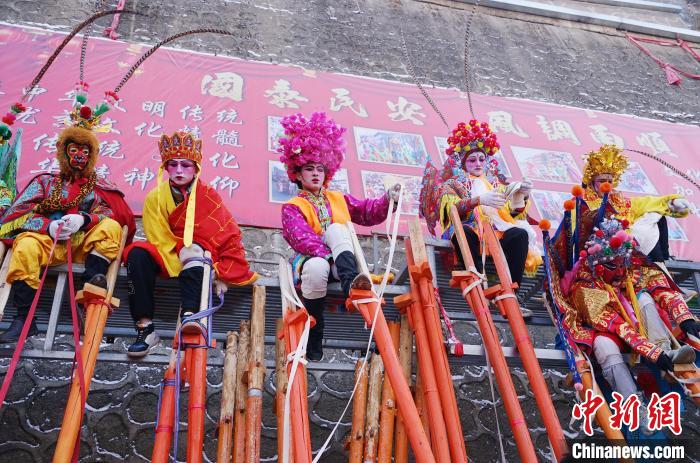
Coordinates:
[377,300]
[505,296]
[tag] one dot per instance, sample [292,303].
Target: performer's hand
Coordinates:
[664,362]
[53,228]
[691,327]
[72,223]
[679,205]
[394,191]
[493,199]
[525,187]
[220,287]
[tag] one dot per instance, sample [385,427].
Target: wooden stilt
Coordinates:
[388,410]
[359,408]
[239,426]
[421,274]
[99,301]
[473,293]
[405,359]
[280,384]
[256,376]
[228,399]
[374,397]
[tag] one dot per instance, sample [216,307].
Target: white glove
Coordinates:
[72,223]
[525,187]
[393,192]
[220,287]
[679,205]
[493,199]
[53,227]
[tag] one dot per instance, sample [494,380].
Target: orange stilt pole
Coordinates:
[356,438]
[256,376]
[197,395]
[436,419]
[509,305]
[421,274]
[281,383]
[98,302]
[405,357]
[299,408]
[241,378]
[166,419]
[420,403]
[388,412]
[477,301]
[407,408]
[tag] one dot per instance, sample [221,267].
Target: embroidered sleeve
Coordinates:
[20,216]
[368,212]
[300,235]
[97,210]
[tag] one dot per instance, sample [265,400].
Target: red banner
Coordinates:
[235,106]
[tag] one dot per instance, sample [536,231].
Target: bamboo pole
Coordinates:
[421,273]
[511,308]
[359,408]
[420,402]
[228,400]
[405,357]
[374,397]
[388,411]
[373,315]
[281,383]
[476,299]
[98,310]
[5,287]
[256,376]
[239,426]
[436,420]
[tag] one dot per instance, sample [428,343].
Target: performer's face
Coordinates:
[474,163]
[78,156]
[312,176]
[599,179]
[181,171]
[614,272]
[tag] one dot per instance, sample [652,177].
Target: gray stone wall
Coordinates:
[512,54]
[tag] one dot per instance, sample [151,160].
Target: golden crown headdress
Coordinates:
[182,145]
[86,117]
[607,160]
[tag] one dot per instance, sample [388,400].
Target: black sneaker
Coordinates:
[146,339]
[12,333]
[314,355]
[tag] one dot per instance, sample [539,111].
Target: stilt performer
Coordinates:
[613,299]
[76,199]
[470,179]
[313,222]
[182,218]
[645,215]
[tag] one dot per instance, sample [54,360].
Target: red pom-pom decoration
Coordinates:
[569,204]
[582,254]
[9,118]
[599,268]
[599,233]
[615,242]
[606,187]
[85,112]
[625,223]
[545,224]
[577,191]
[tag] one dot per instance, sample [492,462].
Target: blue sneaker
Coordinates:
[146,339]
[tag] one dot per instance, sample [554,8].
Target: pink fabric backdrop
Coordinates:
[392,130]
